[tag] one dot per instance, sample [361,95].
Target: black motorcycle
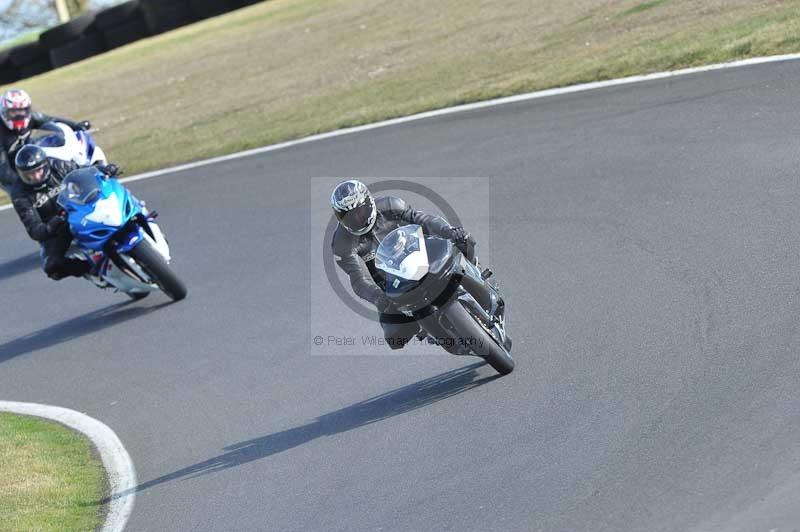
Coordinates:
[431,281]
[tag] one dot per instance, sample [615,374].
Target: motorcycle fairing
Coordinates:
[93,223]
[61,142]
[403,253]
[87,142]
[106,272]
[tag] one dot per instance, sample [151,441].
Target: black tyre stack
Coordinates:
[122,24]
[210,8]
[73,41]
[94,33]
[165,15]
[236,4]
[29,59]
[8,72]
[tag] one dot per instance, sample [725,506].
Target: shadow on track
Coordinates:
[389,404]
[19,266]
[74,328]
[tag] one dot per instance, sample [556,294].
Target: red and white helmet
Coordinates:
[15,110]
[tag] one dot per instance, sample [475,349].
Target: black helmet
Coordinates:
[32,166]
[354,206]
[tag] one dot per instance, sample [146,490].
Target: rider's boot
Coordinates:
[93,274]
[75,268]
[423,335]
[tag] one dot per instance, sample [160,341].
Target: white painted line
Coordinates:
[460,109]
[118,465]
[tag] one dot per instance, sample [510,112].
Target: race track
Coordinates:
[647,239]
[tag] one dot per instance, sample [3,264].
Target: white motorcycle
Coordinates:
[59,141]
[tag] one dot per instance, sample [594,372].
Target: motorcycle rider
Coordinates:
[363,222]
[18,120]
[34,198]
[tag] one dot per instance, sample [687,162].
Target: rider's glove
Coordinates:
[84,125]
[55,224]
[18,144]
[111,170]
[383,303]
[457,234]
[461,238]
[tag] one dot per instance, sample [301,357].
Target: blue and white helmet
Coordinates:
[354,206]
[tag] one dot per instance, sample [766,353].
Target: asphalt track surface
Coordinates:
[647,239]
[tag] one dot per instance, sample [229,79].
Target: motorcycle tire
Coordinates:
[126,33]
[236,4]
[9,74]
[68,32]
[34,69]
[209,8]
[27,53]
[118,15]
[165,15]
[483,344]
[83,48]
[151,261]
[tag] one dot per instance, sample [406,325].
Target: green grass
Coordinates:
[285,69]
[644,6]
[49,477]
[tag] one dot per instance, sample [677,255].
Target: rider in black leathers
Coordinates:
[34,198]
[15,130]
[363,223]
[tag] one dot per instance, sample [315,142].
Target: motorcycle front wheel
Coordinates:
[153,263]
[480,341]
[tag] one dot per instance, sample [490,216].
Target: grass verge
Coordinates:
[50,477]
[285,69]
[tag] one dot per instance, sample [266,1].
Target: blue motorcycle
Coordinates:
[117,235]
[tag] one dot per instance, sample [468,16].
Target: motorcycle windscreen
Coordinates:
[81,187]
[49,135]
[403,253]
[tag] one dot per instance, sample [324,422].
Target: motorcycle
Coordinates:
[59,141]
[117,235]
[432,281]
